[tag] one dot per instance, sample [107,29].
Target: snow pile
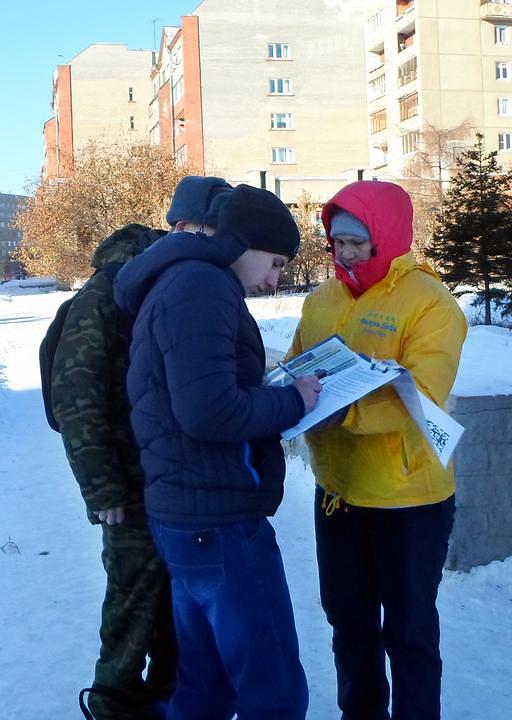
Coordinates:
[32,285]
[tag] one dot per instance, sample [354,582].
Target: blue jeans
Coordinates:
[238,648]
[371,558]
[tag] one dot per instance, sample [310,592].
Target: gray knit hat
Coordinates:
[344,223]
[198,199]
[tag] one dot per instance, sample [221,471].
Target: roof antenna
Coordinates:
[154,21]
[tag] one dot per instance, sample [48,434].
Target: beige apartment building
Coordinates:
[101,94]
[437,63]
[268,93]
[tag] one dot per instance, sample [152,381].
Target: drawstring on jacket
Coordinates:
[330,506]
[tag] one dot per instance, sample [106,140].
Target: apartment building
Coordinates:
[437,63]
[10,237]
[102,94]
[268,93]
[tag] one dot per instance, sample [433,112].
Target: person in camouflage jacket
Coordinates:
[90,402]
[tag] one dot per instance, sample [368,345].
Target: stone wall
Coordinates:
[483,468]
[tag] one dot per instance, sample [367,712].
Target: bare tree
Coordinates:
[428,174]
[111,186]
[312,262]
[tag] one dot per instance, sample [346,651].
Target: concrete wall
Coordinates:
[101,76]
[328,99]
[483,468]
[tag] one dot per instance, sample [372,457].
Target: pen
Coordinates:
[285,369]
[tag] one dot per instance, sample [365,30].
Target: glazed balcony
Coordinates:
[496,11]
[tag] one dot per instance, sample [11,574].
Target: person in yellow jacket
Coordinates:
[384,505]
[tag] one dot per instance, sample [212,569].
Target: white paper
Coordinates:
[441,431]
[347,377]
[342,389]
[445,432]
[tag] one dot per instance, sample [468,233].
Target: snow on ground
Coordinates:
[52,580]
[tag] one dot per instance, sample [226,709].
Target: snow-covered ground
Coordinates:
[52,580]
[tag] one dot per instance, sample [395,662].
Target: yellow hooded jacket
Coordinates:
[377,457]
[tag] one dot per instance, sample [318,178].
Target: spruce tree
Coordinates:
[472,239]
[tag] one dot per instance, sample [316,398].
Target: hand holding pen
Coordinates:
[309,387]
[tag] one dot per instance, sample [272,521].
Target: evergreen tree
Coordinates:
[472,239]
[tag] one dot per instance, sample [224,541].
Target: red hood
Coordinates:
[390,231]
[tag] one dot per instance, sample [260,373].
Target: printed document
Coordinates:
[347,377]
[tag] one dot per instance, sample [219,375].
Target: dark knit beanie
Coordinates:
[260,220]
[198,199]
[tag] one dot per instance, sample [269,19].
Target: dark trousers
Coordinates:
[234,624]
[136,624]
[372,559]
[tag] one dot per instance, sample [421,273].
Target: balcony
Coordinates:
[406,39]
[403,7]
[408,72]
[379,155]
[496,11]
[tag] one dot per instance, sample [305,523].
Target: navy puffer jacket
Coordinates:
[207,429]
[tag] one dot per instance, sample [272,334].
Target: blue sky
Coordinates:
[37,36]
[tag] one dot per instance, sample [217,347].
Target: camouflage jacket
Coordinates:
[88,384]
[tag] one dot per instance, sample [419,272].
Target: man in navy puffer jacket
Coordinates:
[208,433]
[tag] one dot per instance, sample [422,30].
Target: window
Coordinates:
[283,155]
[278,51]
[280,86]
[408,106]
[504,106]
[132,122]
[154,135]
[410,142]
[180,125]
[405,40]
[377,87]
[380,155]
[502,70]
[375,21]
[501,34]
[505,141]
[378,121]
[181,155]
[177,89]
[281,121]
[407,72]
[130,94]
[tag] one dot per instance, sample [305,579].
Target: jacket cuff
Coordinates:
[299,400]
